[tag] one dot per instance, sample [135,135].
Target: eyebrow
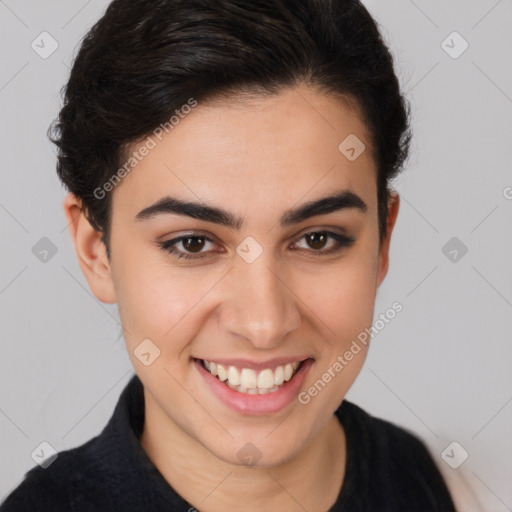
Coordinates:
[343,200]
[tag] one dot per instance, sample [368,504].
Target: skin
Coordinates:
[280,151]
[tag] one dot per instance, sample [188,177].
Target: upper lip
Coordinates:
[256,365]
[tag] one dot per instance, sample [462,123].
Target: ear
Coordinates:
[383,265]
[91,251]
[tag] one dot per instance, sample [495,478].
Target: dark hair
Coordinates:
[144,59]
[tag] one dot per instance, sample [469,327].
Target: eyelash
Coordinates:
[343,241]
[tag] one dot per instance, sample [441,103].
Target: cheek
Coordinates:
[343,300]
[342,297]
[165,304]
[346,307]
[153,307]
[151,299]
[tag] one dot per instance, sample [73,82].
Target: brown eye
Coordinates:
[316,242]
[193,246]
[191,243]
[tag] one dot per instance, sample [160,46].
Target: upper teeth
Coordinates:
[248,378]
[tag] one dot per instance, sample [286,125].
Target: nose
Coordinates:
[259,304]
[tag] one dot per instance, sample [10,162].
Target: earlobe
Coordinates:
[393,207]
[90,250]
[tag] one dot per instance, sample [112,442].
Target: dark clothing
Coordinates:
[387,469]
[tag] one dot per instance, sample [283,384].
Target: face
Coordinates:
[280,282]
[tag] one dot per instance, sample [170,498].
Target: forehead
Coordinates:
[268,150]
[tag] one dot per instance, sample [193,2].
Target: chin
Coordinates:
[262,453]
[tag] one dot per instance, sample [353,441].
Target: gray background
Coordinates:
[441,368]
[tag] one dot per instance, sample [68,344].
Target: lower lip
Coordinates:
[244,403]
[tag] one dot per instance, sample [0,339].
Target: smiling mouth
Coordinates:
[250,381]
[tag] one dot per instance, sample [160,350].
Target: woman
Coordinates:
[228,168]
